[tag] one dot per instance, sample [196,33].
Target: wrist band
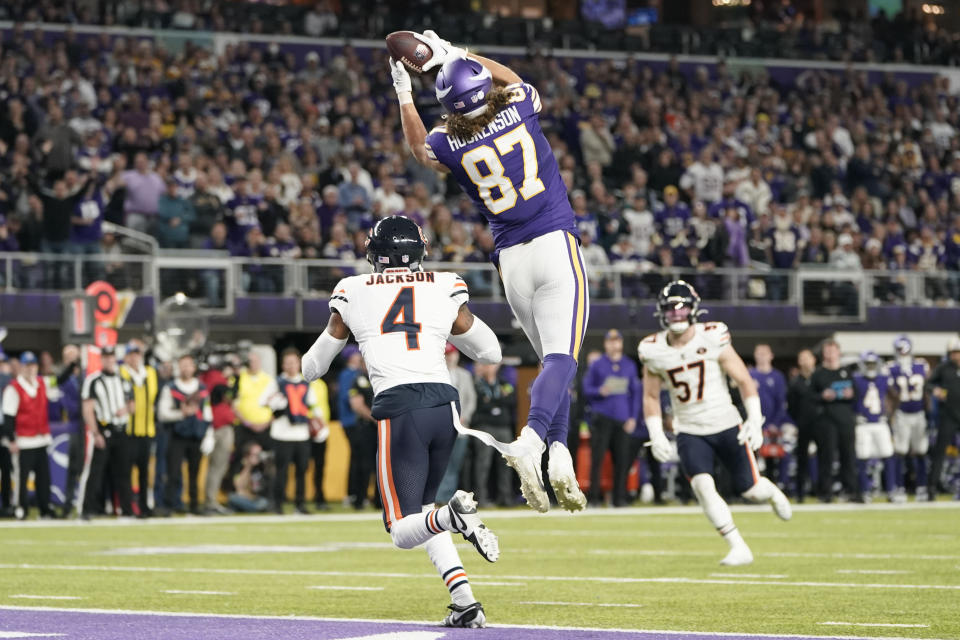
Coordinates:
[405,97]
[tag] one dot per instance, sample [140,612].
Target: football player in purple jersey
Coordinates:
[873,387]
[910,438]
[492,143]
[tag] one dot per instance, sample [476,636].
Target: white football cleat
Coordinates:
[781,505]
[466,522]
[563,479]
[527,467]
[740,555]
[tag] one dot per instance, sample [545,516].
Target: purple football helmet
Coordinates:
[463,85]
[902,345]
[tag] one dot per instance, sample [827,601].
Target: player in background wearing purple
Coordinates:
[492,143]
[873,388]
[772,389]
[910,440]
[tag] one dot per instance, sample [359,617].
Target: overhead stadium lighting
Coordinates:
[933,9]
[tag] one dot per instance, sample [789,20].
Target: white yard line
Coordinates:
[333,587]
[707,635]
[490,583]
[198,593]
[750,575]
[493,514]
[30,596]
[877,572]
[875,624]
[419,576]
[578,604]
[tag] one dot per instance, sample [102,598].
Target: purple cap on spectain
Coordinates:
[463,85]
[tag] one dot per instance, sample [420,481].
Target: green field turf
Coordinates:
[842,564]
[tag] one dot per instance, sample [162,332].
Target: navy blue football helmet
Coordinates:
[678,306]
[396,241]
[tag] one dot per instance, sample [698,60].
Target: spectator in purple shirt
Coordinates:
[672,215]
[612,389]
[772,388]
[144,188]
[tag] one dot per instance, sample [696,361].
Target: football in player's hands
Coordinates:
[408,49]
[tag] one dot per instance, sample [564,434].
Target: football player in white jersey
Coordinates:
[691,358]
[402,317]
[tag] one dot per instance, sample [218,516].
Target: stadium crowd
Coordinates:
[258,155]
[776,29]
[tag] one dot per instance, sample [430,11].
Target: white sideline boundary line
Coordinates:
[433,623]
[30,596]
[596,579]
[493,514]
[875,624]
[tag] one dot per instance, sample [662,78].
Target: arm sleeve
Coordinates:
[316,361]
[479,343]
[11,401]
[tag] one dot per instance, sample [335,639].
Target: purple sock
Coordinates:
[898,470]
[921,463]
[560,425]
[550,390]
[890,474]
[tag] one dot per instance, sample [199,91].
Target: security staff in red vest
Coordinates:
[290,397]
[26,433]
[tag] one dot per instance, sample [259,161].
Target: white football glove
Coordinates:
[661,448]
[401,79]
[207,444]
[442,49]
[751,433]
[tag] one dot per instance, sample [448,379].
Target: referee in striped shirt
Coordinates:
[107,403]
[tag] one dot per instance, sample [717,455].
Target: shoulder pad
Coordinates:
[716,333]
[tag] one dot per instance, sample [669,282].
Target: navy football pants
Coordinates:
[413,450]
[698,454]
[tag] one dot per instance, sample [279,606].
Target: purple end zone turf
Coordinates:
[79,625]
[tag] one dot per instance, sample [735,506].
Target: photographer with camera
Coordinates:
[185,405]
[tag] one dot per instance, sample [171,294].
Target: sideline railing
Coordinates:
[217,280]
